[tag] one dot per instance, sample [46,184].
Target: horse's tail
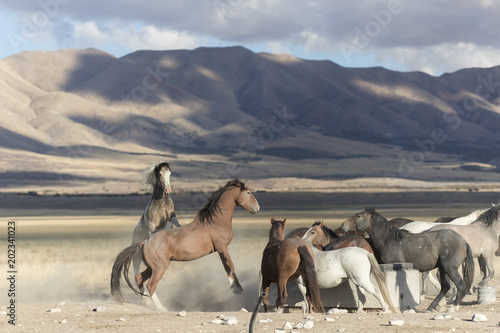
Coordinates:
[121,266]
[380,278]
[468,270]
[310,278]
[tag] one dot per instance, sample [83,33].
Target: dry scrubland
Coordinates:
[65,262]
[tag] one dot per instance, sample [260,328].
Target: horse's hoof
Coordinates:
[237,290]
[147,301]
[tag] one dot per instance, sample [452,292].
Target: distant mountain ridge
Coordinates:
[245,106]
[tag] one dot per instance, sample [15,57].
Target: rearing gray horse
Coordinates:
[159,213]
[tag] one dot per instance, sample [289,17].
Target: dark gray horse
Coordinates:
[442,249]
[159,213]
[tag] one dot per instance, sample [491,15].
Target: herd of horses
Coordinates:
[316,257]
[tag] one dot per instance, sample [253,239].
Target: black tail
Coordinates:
[310,278]
[121,266]
[468,271]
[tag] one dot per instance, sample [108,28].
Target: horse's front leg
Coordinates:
[234,284]
[487,269]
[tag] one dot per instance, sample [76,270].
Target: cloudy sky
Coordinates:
[434,36]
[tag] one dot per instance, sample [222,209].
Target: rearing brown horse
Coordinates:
[210,231]
[285,260]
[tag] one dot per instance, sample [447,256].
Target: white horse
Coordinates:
[353,263]
[418,226]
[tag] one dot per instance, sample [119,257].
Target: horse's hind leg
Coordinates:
[367,285]
[306,305]
[265,289]
[460,284]
[445,286]
[157,273]
[141,277]
[282,295]
[359,298]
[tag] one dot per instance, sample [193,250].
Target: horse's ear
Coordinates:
[322,224]
[284,220]
[370,210]
[272,220]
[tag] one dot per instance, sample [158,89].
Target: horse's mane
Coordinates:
[395,232]
[274,234]
[150,174]
[490,216]
[206,214]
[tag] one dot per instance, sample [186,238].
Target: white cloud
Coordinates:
[417,35]
[276,47]
[435,60]
[133,38]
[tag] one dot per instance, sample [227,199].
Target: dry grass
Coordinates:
[61,258]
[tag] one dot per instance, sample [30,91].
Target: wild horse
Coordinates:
[349,263]
[419,226]
[482,236]
[285,260]
[329,234]
[159,213]
[444,249]
[210,231]
[333,239]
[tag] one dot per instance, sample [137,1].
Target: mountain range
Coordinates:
[72,116]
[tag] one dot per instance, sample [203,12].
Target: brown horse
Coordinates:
[286,260]
[349,241]
[209,232]
[334,239]
[330,234]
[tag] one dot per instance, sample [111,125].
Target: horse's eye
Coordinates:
[248,192]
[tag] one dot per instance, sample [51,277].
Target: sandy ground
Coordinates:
[96,240]
[82,317]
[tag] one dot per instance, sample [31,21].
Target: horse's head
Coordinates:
[277,232]
[246,199]
[360,221]
[162,176]
[339,232]
[159,175]
[316,235]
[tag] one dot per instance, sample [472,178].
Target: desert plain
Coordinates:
[66,244]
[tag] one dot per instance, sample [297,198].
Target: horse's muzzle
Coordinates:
[254,210]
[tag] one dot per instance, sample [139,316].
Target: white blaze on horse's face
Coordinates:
[165,174]
[309,234]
